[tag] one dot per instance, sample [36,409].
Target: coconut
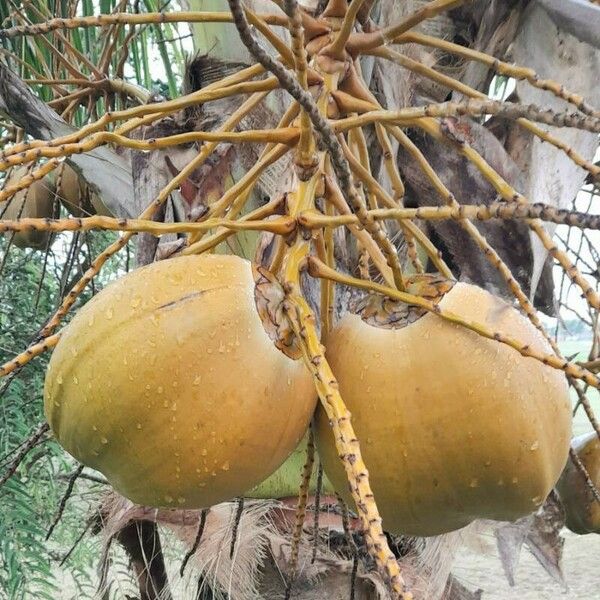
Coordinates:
[69,191]
[582,511]
[77,197]
[35,202]
[99,208]
[453,426]
[169,384]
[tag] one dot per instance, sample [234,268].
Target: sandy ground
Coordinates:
[581,567]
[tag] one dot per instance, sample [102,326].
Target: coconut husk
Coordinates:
[260,566]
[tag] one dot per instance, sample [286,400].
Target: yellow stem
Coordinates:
[221,235]
[134,19]
[421,238]
[31,352]
[347,444]
[367,41]
[287,135]
[337,47]
[500,67]
[35,175]
[301,506]
[280,226]
[335,199]
[511,195]
[157,110]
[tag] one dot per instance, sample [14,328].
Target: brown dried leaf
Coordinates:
[540,532]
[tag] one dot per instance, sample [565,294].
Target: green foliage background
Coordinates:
[32,285]
[29,499]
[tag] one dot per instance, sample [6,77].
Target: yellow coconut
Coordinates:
[582,511]
[99,207]
[72,193]
[168,383]
[36,202]
[453,426]
[77,197]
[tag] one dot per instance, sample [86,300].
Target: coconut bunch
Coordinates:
[430,402]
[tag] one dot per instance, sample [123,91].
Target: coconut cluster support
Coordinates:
[303,322]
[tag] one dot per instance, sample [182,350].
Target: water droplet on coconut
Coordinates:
[59,379]
[225,466]
[474,483]
[204,452]
[109,313]
[515,480]
[104,440]
[197,380]
[139,425]
[168,499]
[534,446]
[181,500]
